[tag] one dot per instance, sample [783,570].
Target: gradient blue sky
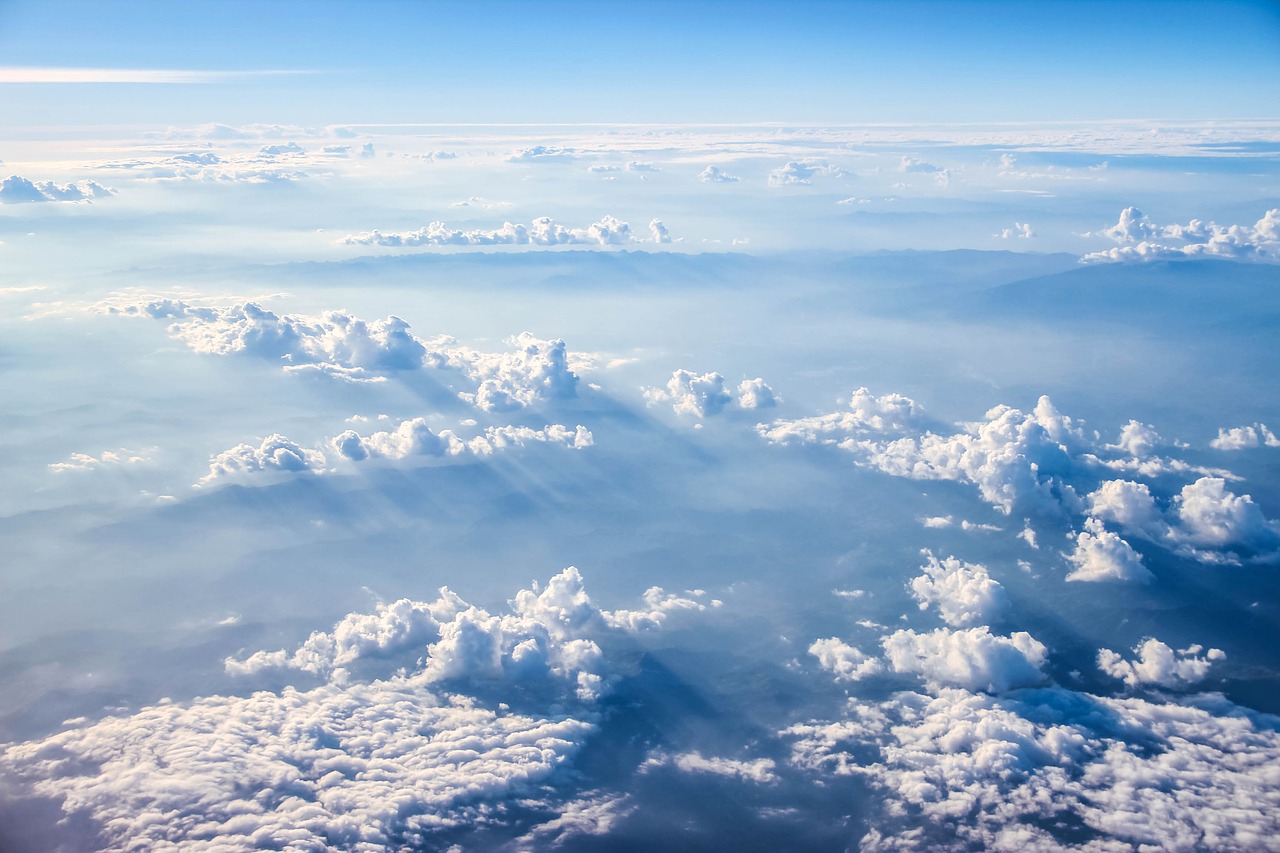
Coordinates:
[654,62]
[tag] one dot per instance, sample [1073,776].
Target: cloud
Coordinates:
[36,74]
[844,661]
[281,149]
[867,412]
[714,175]
[592,815]
[414,438]
[347,347]
[1021,230]
[1159,665]
[107,459]
[802,173]
[974,658]
[477,201]
[541,154]
[756,394]
[357,766]
[275,454]
[543,231]
[697,394]
[911,164]
[759,770]
[965,594]
[1244,438]
[659,606]
[1101,555]
[1140,239]
[18,190]
[1050,769]
[658,232]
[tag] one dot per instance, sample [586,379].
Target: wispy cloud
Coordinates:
[24,74]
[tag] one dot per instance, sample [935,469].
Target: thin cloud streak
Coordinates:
[23,74]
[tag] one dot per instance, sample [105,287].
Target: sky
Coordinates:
[667,63]
[697,426]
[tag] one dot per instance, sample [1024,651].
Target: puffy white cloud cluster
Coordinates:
[1049,769]
[1021,230]
[1158,664]
[344,346]
[1101,555]
[759,770]
[1205,520]
[549,635]
[592,815]
[965,594]
[1009,456]
[1140,239]
[704,394]
[16,189]
[1041,461]
[911,165]
[659,606]
[714,175]
[973,658]
[414,437]
[533,370]
[543,231]
[802,173]
[275,454]
[845,662]
[541,154]
[1245,438]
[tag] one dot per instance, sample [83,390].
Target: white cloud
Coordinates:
[758,770]
[963,771]
[1021,230]
[346,347]
[477,201]
[844,661]
[714,175]
[659,606]
[867,413]
[1101,555]
[756,394]
[802,173]
[658,232]
[275,454]
[415,438]
[18,190]
[106,459]
[592,815]
[1159,665]
[974,659]
[1210,515]
[965,594]
[1140,239]
[1244,438]
[543,231]
[1138,440]
[697,394]
[541,154]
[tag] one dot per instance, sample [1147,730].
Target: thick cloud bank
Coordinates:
[1050,769]
[373,758]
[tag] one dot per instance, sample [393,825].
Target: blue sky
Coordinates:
[659,62]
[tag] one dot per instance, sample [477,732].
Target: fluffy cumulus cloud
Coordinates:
[1140,239]
[845,662]
[1050,769]
[715,175]
[1205,520]
[974,658]
[1011,456]
[964,594]
[19,190]
[541,154]
[802,173]
[911,165]
[543,231]
[275,454]
[704,394]
[1159,665]
[377,756]
[106,459]
[347,347]
[1245,438]
[1101,555]
[756,394]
